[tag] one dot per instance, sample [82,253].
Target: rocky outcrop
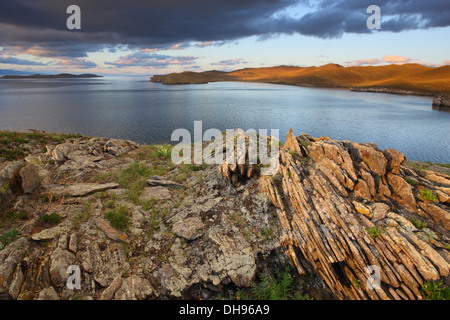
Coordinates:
[180,233]
[138,227]
[441,103]
[346,208]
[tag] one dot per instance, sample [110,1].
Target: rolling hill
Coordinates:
[407,77]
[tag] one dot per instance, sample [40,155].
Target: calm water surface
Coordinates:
[136,109]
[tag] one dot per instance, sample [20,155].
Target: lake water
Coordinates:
[145,112]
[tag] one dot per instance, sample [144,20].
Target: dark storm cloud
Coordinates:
[141,24]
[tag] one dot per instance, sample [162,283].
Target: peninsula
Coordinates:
[403,79]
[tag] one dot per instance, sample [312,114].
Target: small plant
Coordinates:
[358,283]
[280,287]
[374,232]
[305,143]
[52,218]
[56,138]
[164,151]
[419,224]
[411,181]
[119,217]
[435,291]
[9,237]
[428,196]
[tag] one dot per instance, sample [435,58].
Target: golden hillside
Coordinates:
[414,77]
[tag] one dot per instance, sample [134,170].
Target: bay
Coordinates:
[136,109]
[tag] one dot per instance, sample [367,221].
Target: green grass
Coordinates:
[435,291]
[12,143]
[52,219]
[374,232]
[419,224]
[428,196]
[8,237]
[119,217]
[280,287]
[12,217]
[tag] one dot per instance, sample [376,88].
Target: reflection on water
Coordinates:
[441,108]
[146,112]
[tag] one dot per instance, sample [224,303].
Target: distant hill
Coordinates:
[406,78]
[50,76]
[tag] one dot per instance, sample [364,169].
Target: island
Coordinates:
[408,78]
[52,76]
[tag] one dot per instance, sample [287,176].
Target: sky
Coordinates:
[148,37]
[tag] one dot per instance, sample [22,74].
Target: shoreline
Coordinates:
[58,136]
[352,89]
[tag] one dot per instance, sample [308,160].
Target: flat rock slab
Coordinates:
[82,189]
[109,231]
[158,181]
[52,233]
[158,193]
[190,228]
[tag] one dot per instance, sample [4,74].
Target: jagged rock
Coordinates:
[172,281]
[62,152]
[237,259]
[437,177]
[104,265]
[16,283]
[292,143]
[118,147]
[395,160]
[60,260]
[109,292]
[73,242]
[82,189]
[30,178]
[373,158]
[10,256]
[190,228]
[380,210]
[402,192]
[134,288]
[48,294]
[324,231]
[361,208]
[437,214]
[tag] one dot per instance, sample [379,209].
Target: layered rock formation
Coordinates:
[346,207]
[342,211]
